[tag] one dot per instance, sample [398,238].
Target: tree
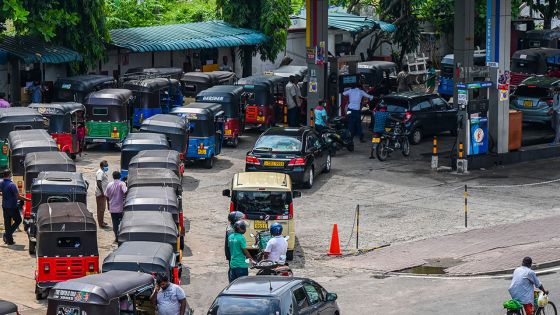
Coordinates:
[270,17]
[549,9]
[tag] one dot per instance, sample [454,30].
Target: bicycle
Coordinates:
[548,309]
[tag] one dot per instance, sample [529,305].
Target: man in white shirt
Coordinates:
[355,96]
[291,101]
[277,246]
[101,181]
[224,66]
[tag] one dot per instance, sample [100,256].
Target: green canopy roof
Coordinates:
[353,23]
[184,36]
[32,50]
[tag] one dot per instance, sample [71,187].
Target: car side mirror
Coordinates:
[296,194]
[226,193]
[331,297]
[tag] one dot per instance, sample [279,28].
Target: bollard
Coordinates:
[434,155]
[285,116]
[357,226]
[312,121]
[462,166]
[466,194]
[460,150]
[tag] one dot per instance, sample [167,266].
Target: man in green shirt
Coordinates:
[238,267]
[430,77]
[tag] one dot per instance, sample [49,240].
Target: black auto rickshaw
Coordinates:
[63,120]
[540,38]
[108,114]
[8,308]
[66,244]
[109,293]
[168,159]
[36,163]
[377,72]
[16,118]
[535,61]
[264,98]
[196,82]
[229,96]
[52,187]
[75,89]
[140,72]
[150,198]
[146,257]
[150,226]
[174,127]
[136,142]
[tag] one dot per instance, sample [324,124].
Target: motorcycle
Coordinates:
[338,136]
[267,267]
[393,139]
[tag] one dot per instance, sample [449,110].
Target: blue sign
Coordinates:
[479,136]
[474,85]
[489,31]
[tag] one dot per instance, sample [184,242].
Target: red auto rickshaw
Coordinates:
[264,98]
[66,244]
[229,96]
[64,121]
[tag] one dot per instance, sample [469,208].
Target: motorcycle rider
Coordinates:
[232,218]
[380,120]
[238,267]
[277,246]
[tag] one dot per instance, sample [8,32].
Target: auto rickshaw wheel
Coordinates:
[39,293]
[72,156]
[209,162]
[32,247]
[290,255]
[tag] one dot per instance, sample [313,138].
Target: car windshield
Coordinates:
[243,305]
[278,143]
[263,202]
[531,91]
[395,105]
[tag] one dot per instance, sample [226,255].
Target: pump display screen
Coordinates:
[351,79]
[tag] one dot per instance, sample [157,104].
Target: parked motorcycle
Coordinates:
[266,267]
[393,139]
[338,136]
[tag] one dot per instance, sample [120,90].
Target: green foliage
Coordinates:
[297,5]
[402,13]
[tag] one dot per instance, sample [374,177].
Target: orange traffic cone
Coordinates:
[335,243]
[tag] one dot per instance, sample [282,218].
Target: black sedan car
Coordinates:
[266,295]
[298,152]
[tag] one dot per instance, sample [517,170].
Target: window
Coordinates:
[395,105]
[313,142]
[263,202]
[439,104]
[301,298]
[423,106]
[100,111]
[277,143]
[22,127]
[68,242]
[312,294]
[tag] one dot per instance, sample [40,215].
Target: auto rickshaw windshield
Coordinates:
[57,123]
[201,128]
[107,113]
[262,202]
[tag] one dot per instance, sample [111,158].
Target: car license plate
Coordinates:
[527,103]
[375,140]
[273,163]
[99,140]
[201,151]
[228,132]
[387,129]
[90,273]
[260,225]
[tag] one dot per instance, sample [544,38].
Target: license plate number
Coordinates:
[201,151]
[228,132]
[99,140]
[273,163]
[387,129]
[375,140]
[261,225]
[90,273]
[527,103]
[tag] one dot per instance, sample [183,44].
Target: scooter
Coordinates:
[267,267]
[393,139]
[338,136]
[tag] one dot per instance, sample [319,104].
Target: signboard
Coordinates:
[320,54]
[313,85]
[462,97]
[213,98]
[492,64]
[504,95]
[69,295]
[475,85]
[311,53]
[478,136]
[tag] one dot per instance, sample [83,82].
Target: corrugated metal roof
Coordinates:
[32,50]
[353,23]
[184,36]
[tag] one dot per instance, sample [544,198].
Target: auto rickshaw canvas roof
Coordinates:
[150,85]
[377,65]
[83,82]
[108,97]
[23,114]
[223,93]
[152,195]
[286,71]
[260,80]
[49,159]
[262,181]
[57,108]
[145,138]
[155,176]
[33,138]
[213,77]
[541,81]
[150,158]
[534,53]
[154,223]
[105,287]
[156,71]
[7,307]
[65,217]
[141,256]
[542,34]
[200,111]
[59,178]
[165,123]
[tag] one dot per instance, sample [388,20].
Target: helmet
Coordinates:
[240,227]
[235,216]
[276,229]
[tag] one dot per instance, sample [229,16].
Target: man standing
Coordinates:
[355,96]
[556,115]
[238,252]
[101,180]
[291,101]
[403,80]
[430,77]
[168,298]
[36,92]
[224,66]
[10,197]
[115,195]
[523,285]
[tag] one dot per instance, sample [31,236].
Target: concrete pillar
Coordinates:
[316,38]
[498,37]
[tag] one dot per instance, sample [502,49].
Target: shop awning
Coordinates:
[31,50]
[351,23]
[184,36]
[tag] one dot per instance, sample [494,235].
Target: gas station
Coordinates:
[484,136]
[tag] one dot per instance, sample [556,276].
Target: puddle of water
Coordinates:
[425,270]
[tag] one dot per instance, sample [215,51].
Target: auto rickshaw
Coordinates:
[146,257]
[136,142]
[66,244]
[110,293]
[153,96]
[8,308]
[108,115]
[446,84]
[16,118]
[375,71]
[53,187]
[530,62]
[264,98]
[168,159]
[175,128]
[36,163]
[75,89]
[229,96]
[63,120]
[150,226]
[196,82]
[207,128]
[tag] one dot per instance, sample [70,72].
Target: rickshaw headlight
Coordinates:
[4,149]
[46,268]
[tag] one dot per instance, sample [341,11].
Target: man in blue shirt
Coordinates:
[321,117]
[10,196]
[523,285]
[355,96]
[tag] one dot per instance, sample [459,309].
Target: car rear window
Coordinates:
[244,305]
[396,105]
[278,143]
[530,91]
[263,202]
